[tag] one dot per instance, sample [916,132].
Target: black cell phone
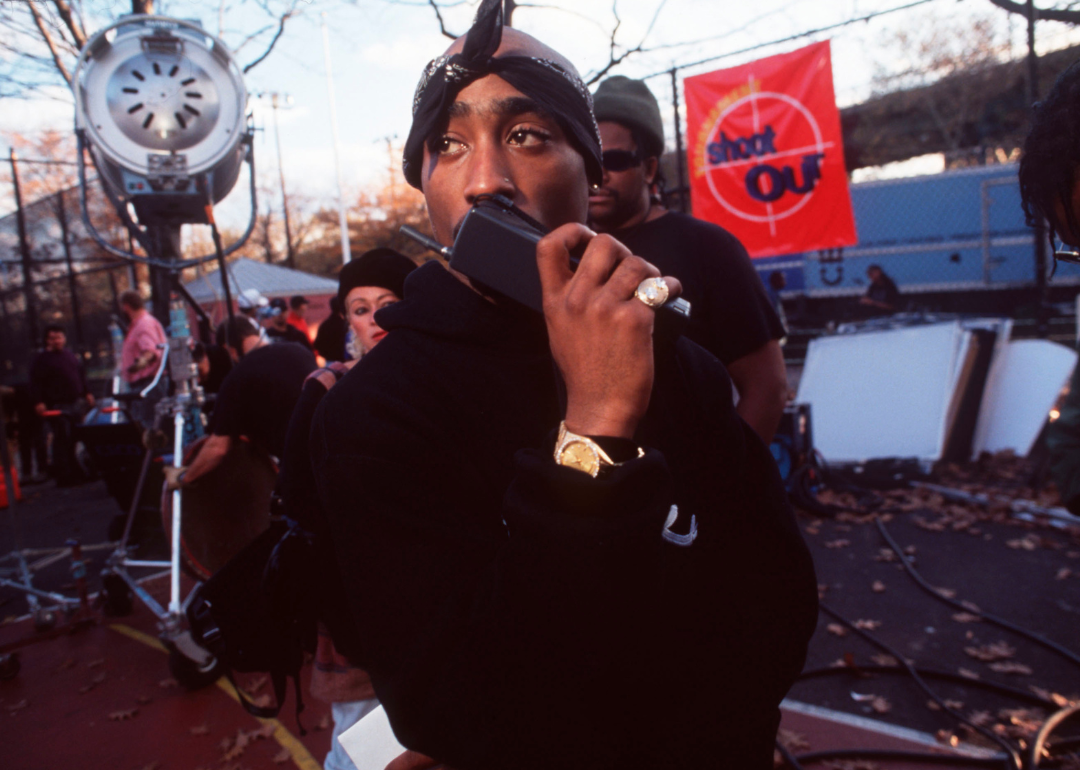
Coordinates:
[496,248]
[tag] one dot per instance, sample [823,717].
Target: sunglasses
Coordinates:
[620,160]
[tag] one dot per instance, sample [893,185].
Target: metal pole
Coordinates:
[346,251]
[1041,296]
[165,240]
[61,216]
[24,248]
[281,174]
[678,139]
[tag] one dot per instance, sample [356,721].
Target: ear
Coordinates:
[651,166]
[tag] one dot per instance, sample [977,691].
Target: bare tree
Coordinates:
[42,38]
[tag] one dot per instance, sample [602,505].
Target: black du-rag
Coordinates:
[559,93]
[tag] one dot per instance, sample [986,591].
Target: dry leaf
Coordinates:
[123,716]
[841,543]
[948,593]
[142,700]
[981,718]
[877,587]
[325,723]
[96,663]
[1063,573]
[946,737]
[966,617]
[99,678]
[1011,667]
[282,757]
[910,550]
[167,683]
[837,629]
[990,652]
[24,703]
[967,673]
[867,625]
[1026,543]
[884,660]
[933,705]
[792,741]
[955,705]
[266,731]
[86,688]
[885,554]
[880,705]
[203,729]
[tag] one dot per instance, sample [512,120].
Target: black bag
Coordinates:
[258,612]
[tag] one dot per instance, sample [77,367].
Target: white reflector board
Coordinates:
[883,394]
[1023,386]
[371,743]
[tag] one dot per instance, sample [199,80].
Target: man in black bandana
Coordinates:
[561,546]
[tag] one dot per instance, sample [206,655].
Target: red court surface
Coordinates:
[100,696]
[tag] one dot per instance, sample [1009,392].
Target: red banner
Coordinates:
[766,156]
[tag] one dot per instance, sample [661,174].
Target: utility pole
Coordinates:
[24,248]
[61,217]
[289,259]
[346,251]
[1042,328]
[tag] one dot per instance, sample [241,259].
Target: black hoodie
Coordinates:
[519,614]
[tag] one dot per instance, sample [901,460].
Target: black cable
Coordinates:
[993,619]
[933,673]
[1014,757]
[906,756]
[1044,732]
[789,759]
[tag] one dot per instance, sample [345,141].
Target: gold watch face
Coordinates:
[580,456]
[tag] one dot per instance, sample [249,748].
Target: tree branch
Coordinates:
[277,36]
[77,33]
[616,60]
[442,25]
[1069,17]
[47,36]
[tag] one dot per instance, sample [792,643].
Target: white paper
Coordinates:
[371,743]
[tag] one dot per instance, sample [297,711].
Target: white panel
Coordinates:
[882,394]
[1022,387]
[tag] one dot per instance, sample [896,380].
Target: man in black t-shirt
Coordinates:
[731,315]
[256,399]
[280,330]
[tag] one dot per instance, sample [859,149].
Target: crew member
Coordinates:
[297,315]
[882,297]
[141,355]
[255,401]
[731,314]
[560,547]
[280,330]
[58,382]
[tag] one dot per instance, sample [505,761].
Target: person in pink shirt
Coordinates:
[140,356]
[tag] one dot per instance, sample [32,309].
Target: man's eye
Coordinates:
[528,137]
[443,145]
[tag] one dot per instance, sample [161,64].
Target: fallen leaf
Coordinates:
[990,652]
[955,705]
[96,663]
[1026,543]
[1011,667]
[142,700]
[282,757]
[99,678]
[203,729]
[971,606]
[792,741]
[325,723]
[967,673]
[884,660]
[837,629]
[910,550]
[885,554]
[841,543]
[981,718]
[933,705]
[1063,573]
[167,683]
[947,737]
[966,617]
[839,663]
[867,625]
[877,587]
[266,731]
[123,716]
[24,703]
[880,705]
[948,593]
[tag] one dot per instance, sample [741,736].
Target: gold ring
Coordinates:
[652,291]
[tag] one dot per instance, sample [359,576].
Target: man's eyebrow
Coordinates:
[509,106]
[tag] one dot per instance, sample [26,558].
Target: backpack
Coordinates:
[257,612]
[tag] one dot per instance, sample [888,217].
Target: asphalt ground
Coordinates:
[1028,573]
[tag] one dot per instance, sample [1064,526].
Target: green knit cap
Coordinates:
[630,102]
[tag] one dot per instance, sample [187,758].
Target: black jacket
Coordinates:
[518,614]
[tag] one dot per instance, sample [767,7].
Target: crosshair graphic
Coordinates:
[748,116]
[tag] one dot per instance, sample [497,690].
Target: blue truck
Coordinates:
[951,241]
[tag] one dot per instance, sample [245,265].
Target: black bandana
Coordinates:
[558,92]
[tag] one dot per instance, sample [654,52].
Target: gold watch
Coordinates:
[581,453]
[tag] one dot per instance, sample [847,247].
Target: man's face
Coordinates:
[623,196]
[874,274]
[300,311]
[497,141]
[55,341]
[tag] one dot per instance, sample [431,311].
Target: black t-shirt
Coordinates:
[885,291]
[258,396]
[289,334]
[730,313]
